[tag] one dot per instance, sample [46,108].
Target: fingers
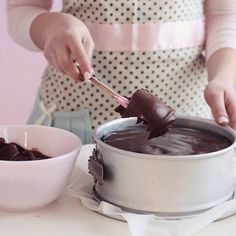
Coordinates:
[61,61]
[222,101]
[60,49]
[231,108]
[82,56]
[66,65]
[52,59]
[216,101]
[89,47]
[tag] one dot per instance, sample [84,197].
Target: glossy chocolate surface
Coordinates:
[178,141]
[150,110]
[14,152]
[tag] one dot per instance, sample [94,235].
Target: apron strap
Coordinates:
[46,113]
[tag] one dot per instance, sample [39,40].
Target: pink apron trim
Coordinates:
[146,37]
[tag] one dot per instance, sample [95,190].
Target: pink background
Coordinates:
[21,72]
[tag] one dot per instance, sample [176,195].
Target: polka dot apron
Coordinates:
[177,75]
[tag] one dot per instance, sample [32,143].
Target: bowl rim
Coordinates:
[51,159]
[170,157]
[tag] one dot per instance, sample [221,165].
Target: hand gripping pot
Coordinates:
[169,185]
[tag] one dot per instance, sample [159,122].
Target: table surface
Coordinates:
[67,216]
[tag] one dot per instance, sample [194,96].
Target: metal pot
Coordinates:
[171,185]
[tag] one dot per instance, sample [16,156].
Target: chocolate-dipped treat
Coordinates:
[150,110]
[15,152]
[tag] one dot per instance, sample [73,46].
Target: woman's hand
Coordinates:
[221,98]
[220,93]
[64,39]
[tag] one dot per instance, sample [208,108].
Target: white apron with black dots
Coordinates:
[156,45]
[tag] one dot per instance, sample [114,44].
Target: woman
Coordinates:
[157,45]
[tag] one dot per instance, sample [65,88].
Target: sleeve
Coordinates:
[20,15]
[220,25]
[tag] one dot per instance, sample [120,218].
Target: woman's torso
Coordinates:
[177,75]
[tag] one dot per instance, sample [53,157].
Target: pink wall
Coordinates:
[21,72]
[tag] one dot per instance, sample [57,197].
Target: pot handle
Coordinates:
[96,166]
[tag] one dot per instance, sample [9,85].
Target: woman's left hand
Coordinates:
[220,93]
[221,97]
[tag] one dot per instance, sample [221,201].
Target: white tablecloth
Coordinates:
[67,217]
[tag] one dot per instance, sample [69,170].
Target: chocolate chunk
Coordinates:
[2,142]
[39,155]
[15,152]
[8,152]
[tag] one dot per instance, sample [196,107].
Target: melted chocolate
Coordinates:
[150,110]
[14,152]
[178,141]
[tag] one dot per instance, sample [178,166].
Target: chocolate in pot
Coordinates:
[178,141]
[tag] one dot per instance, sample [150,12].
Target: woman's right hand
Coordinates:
[64,38]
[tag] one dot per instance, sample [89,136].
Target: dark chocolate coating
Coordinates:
[14,152]
[150,110]
[178,141]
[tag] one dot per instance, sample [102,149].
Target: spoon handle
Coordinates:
[123,101]
[120,99]
[104,87]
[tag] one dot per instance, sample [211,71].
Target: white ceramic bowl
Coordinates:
[30,185]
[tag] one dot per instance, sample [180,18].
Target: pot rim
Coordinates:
[228,129]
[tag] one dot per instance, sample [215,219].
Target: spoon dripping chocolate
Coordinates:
[150,110]
[157,133]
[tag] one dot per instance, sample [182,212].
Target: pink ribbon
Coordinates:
[147,37]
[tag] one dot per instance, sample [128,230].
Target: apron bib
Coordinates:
[156,45]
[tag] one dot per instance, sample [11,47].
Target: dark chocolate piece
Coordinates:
[14,152]
[150,110]
[8,152]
